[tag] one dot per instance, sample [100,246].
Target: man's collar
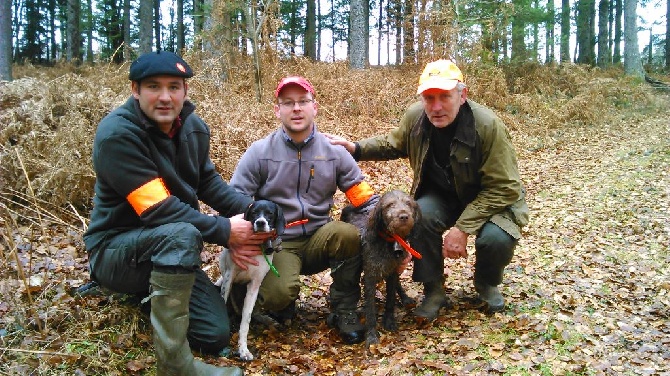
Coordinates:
[287,138]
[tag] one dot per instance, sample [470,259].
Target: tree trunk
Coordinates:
[397,16]
[157,23]
[89,32]
[359,34]
[585,21]
[310,31]
[617,32]
[519,51]
[146,22]
[632,65]
[551,20]
[565,30]
[73,34]
[604,55]
[409,53]
[318,30]
[52,30]
[126,30]
[667,35]
[180,27]
[380,29]
[5,40]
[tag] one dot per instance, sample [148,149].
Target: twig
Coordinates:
[19,268]
[81,219]
[30,187]
[40,352]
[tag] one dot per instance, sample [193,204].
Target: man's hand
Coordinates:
[454,244]
[243,243]
[339,140]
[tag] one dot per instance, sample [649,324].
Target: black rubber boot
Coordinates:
[491,295]
[345,293]
[434,299]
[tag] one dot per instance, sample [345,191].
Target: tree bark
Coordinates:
[5,40]
[126,30]
[157,24]
[618,30]
[180,27]
[551,16]
[359,34]
[565,30]
[667,35]
[310,31]
[632,65]
[146,23]
[73,33]
[604,55]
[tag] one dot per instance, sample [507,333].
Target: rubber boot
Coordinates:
[434,299]
[169,317]
[345,291]
[491,295]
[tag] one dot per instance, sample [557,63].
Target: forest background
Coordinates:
[587,290]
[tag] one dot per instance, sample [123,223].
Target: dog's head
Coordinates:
[266,216]
[396,213]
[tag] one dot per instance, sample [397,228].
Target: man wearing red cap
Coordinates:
[466,182]
[298,168]
[152,164]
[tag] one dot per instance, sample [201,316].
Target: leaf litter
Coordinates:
[587,292]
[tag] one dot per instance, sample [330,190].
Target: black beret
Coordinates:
[157,63]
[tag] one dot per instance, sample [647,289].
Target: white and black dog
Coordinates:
[266,216]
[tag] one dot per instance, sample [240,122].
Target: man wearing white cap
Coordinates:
[466,182]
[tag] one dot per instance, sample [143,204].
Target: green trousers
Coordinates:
[124,261]
[335,245]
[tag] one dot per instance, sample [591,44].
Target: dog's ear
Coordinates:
[376,219]
[416,211]
[280,221]
[249,211]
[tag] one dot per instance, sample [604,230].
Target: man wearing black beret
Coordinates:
[152,164]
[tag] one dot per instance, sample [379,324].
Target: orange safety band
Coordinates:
[359,193]
[148,195]
[296,223]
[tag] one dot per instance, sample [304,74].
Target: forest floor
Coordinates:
[587,293]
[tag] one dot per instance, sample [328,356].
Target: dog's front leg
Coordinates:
[370,290]
[249,302]
[392,285]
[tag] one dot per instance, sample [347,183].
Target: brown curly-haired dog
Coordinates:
[395,214]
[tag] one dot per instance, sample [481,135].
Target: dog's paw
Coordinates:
[372,340]
[390,324]
[246,355]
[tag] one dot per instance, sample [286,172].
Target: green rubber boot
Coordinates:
[169,317]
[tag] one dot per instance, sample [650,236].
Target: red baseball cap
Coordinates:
[294,80]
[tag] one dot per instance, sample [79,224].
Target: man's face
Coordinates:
[442,106]
[161,98]
[296,110]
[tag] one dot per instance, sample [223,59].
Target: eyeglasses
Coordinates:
[291,104]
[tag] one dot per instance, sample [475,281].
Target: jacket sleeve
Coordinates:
[500,180]
[123,161]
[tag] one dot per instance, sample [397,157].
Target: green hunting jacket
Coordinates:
[482,158]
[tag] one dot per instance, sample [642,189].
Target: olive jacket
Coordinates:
[482,158]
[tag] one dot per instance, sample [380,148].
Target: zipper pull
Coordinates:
[311,177]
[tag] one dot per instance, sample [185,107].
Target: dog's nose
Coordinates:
[403,216]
